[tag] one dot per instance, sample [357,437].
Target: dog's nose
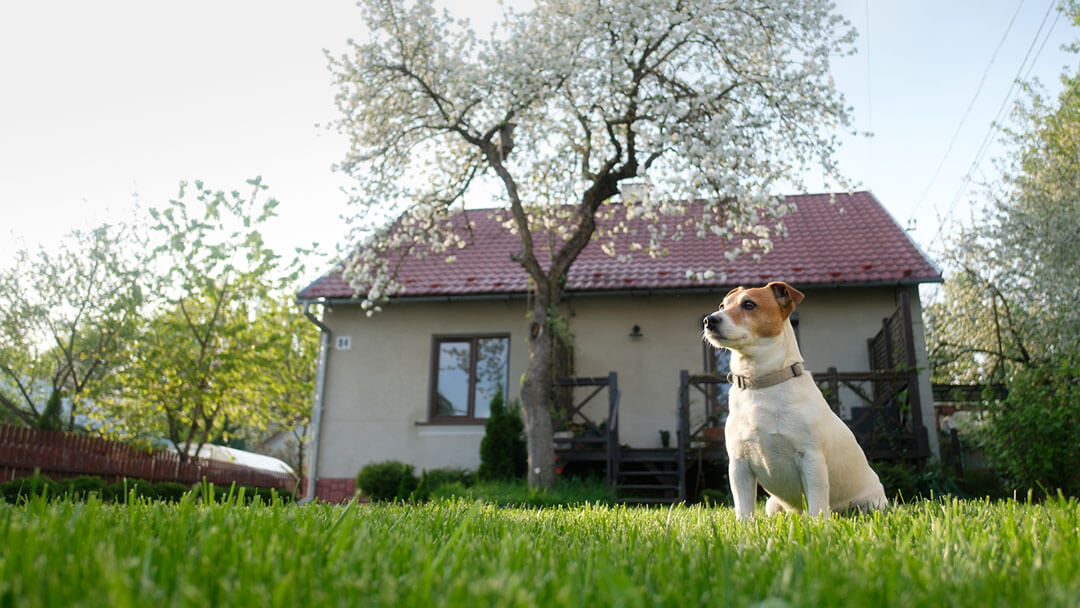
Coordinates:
[712,322]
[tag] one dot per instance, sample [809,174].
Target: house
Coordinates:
[412,382]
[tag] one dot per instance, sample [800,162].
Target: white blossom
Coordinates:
[719,102]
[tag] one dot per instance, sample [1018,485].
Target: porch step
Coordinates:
[648,476]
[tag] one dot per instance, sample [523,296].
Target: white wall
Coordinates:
[377,393]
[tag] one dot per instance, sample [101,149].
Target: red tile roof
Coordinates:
[842,239]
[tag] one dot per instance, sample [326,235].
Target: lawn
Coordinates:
[461,553]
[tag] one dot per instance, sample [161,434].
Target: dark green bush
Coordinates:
[50,416]
[21,490]
[905,481]
[81,487]
[1033,437]
[567,492]
[268,495]
[123,490]
[503,454]
[208,492]
[447,475]
[170,491]
[387,481]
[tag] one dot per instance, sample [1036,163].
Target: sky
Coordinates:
[106,106]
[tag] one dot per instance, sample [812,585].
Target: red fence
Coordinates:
[58,455]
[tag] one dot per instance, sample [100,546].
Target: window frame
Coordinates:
[474,350]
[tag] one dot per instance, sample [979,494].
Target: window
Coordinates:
[467,373]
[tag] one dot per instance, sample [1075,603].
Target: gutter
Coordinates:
[317,405]
[645,291]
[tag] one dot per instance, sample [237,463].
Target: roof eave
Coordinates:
[643,291]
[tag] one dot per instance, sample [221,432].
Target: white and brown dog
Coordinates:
[780,431]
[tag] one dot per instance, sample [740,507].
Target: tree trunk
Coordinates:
[536,400]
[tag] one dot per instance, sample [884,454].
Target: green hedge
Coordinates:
[81,488]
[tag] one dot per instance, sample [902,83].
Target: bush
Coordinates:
[122,490]
[387,481]
[905,482]
[22,490]
[268,495]
[567,492]
[207,492]
[441,477]
[1033,437]
[81,487]
[169,491]
[503,454]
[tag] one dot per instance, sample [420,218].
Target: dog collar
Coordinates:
[767,380]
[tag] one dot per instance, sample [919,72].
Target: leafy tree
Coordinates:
[1009,311]
[65,314]
[562,107]
[292,344]
[202,356]
[1010,300]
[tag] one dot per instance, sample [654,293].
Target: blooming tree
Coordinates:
[562,107]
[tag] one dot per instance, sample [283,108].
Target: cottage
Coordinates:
[414,381]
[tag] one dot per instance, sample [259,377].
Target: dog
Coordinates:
[780,431]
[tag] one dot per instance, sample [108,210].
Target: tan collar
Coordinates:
[767,380]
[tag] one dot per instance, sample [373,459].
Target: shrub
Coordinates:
[268,495]
[387,481]
[207,492]
[447,475]
[50,416]
[904,482]
[21,490]
[170,491]
[124,489]
[1033,436]
[81,487]
[503,454]
[567,492]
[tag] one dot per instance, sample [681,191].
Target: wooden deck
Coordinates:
[887,421]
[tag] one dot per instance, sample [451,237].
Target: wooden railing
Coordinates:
[24,451]
[607,437]
[888,420]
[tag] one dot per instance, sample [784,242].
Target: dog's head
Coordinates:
[747,315]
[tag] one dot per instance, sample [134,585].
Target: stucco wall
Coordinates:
[377,392]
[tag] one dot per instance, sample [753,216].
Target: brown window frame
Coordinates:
[433,396]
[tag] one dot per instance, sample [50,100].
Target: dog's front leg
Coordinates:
[743,487]
[815,481]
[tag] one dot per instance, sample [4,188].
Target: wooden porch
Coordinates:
[883,409]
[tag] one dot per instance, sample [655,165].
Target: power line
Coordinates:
[967,111]
[984,146]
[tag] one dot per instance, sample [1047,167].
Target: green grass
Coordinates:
[462,553]
[572,492]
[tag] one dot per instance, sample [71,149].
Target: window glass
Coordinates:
[491,370]
[452,398]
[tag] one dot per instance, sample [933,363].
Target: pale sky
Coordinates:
[100,101]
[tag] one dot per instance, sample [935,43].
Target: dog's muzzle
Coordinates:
[712,323]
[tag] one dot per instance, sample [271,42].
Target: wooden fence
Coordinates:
[24,451]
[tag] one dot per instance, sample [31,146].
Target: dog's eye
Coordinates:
[721,307]
[749,305]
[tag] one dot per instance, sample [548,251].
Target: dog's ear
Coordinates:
[786,296]
[736,290]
